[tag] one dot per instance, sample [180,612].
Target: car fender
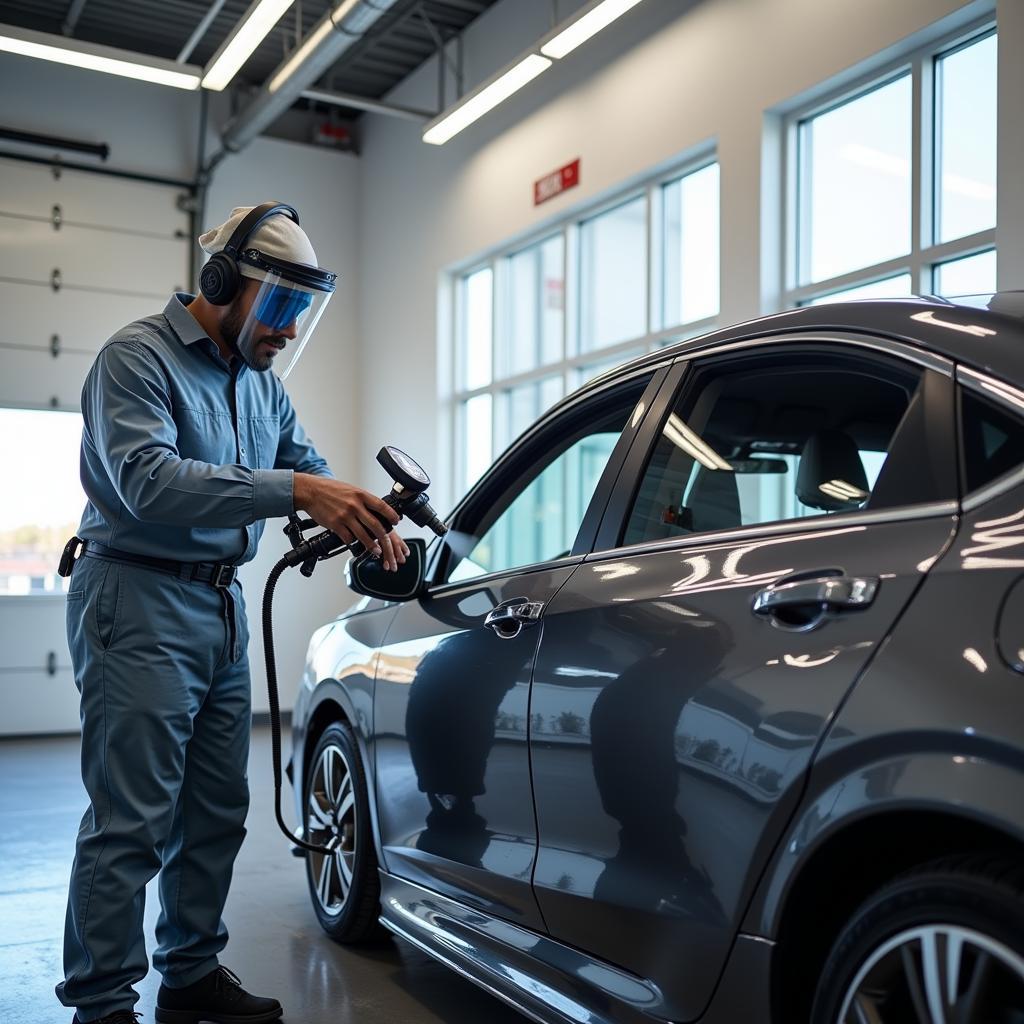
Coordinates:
[972,782]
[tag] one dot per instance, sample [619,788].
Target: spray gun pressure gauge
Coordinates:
[406,472]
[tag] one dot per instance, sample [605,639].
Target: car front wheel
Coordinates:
[943,944]
[343,884]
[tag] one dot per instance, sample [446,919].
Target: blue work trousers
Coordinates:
[162,668]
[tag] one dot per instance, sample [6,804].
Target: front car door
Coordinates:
[451,704]
[759,546]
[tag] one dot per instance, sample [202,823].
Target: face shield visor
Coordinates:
[288,304]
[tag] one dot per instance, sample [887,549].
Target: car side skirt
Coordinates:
[543,979]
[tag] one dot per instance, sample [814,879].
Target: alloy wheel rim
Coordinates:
[331,821]
[937,974]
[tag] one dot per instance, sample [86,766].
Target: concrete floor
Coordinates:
[276,945]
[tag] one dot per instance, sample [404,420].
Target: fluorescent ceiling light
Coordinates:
[585,26]
[94,57]
[311,42]
[261,17]
[479,103]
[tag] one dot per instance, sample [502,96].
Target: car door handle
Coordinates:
[804,604]
[509,618]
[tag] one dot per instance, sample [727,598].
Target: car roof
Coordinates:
[985,332]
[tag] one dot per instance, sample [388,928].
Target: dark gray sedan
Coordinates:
[711,705]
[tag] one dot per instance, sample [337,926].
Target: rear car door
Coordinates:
[764,536]
[451,703]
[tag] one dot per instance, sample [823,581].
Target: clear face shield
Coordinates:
[283,315]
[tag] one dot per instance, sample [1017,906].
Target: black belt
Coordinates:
[218,575]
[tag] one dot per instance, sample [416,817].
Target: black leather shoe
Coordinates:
[218,998]
[117,1017]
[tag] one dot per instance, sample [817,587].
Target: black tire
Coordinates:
[906,933]
[348,913]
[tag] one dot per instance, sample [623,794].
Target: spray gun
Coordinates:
[408,497]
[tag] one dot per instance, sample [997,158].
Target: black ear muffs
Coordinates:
[220,278]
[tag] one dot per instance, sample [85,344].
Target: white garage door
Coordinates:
[80,255]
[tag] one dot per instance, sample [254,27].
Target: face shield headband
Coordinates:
[288,303]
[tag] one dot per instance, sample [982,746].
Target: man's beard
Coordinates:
[231,328]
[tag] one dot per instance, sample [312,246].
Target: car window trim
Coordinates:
[1007,397]
[889,346]
[657,373]
[815,524]
[474,582]
[619,504]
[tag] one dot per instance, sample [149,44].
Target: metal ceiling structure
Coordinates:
[399,42]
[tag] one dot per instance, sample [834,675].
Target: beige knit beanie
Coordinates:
[278,236]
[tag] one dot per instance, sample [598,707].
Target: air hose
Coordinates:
[407,498]
[275,706]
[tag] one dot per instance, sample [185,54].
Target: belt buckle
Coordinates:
[223,576]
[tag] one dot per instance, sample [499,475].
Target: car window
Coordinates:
[993,440]
[764,439]
[536,516]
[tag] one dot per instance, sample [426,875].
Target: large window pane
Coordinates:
[897,287]
[536,307]
[477,329]
[613,276]
[42,497]
[854,183]
[690,247]
[966,145]
[521,407]
[476,431]
[972,275]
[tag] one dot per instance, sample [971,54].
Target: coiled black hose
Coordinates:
[275,706]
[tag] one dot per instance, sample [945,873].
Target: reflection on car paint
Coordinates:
[996,535]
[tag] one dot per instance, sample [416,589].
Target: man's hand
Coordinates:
[349,512]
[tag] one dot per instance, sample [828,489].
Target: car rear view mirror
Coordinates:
[366,575]
[758,465]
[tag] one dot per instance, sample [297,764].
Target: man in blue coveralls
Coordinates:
[189,444]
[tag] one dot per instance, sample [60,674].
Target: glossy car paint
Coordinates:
[694,724]
[937,723]
[453,763]
[929,718]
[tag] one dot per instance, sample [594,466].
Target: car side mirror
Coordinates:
[367,576]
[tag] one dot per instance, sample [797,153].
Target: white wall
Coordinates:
[667,78]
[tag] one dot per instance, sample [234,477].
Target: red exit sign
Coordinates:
[556,182]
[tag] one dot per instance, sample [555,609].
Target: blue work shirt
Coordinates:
[183,454]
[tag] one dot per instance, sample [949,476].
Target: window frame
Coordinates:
[941,434]
[574,361]
[519,465]
[1001,394]
[926,253]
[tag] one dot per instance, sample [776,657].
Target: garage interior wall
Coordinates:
[152,130]
[671,77]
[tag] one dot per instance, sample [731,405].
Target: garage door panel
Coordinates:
[30,250]
[31,190]
[33,379]
[81,320]
[30,628]
[34,702]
